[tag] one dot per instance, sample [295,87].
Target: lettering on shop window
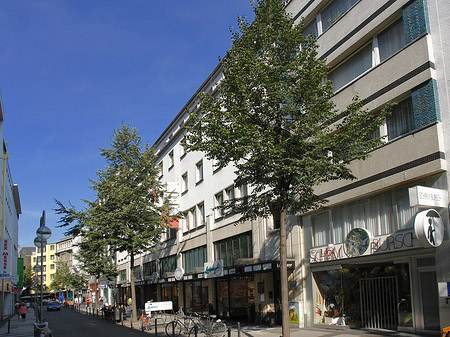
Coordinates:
[378,245]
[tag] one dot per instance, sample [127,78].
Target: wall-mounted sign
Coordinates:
[158,306]
[357,242]
[5,268]
[213,269]
[429,228]
[378,245]
[421,196]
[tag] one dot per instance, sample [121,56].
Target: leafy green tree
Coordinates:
[128,214]
[274,120]
[28,275]
[66,279]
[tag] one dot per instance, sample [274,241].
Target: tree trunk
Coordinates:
[133,289]
[283,275]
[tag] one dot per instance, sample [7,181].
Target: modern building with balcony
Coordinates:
[377,254]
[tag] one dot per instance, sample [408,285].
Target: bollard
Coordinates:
[156,327]
[195,330]
[173,328]
[239,329]
[229,332]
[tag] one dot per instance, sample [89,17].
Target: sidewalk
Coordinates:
[19,328]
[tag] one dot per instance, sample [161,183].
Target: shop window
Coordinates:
[401,120]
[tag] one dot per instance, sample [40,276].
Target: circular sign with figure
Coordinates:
[429,228]
[356,242]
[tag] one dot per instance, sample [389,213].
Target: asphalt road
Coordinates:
[68,323]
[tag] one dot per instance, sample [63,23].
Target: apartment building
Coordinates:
[9,231]
[48,264]
[377,255]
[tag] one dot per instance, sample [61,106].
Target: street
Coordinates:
[68,323]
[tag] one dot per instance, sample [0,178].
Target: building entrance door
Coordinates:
[430,300]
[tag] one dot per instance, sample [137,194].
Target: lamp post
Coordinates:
[36,270]
[43,233]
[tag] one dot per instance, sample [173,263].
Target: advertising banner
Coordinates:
[5,252]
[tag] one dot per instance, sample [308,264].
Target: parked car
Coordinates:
[53,305]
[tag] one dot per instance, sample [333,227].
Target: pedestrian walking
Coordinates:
[17,307]
[23,310]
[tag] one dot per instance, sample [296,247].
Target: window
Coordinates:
[391,40]
[401,120]
[52,247]
[218,204]
[230,193]
[199,172]
[34,260]
[161,167]
[234,248]
[44,278]
[184,183]
[182,148]
[52,276]
[311,28]
[122,275]
[137,272]
[334,11]
[382,47]
[381,214]
[149,269]
[52,267]
[52,257]
[168,265]
[352,68]
[217,165]
[201,214]
[171,159]
[194,258]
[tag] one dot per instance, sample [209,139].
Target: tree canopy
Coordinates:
[128,214]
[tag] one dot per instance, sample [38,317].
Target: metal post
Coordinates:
[229,332]
[42,279]
[239,329]
[156,327]
[173,328]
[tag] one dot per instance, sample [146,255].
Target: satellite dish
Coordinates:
[178,274]
[155,277]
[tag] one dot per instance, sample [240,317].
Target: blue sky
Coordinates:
[71,71]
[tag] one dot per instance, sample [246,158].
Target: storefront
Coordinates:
[378,281]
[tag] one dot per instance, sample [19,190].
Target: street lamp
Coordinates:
[43,233]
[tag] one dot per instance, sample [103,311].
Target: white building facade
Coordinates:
[9,228]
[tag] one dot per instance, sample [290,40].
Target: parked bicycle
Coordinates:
[145,322]
[208,327]
[180,324]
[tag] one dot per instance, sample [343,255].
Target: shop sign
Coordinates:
[248,269]
[158,306]
[421,196]
[267,266]
[213,269]
[257,267]
[5,247]
[429,228]
[377,245]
